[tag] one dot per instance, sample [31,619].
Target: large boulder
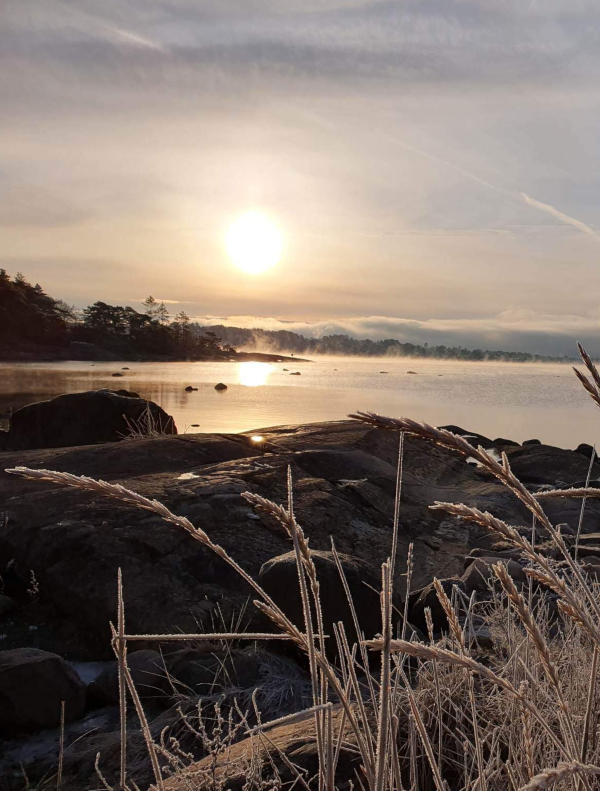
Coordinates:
[33,684]
[545,464]
[84,419]
[279,578]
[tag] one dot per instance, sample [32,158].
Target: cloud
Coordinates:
[559,215]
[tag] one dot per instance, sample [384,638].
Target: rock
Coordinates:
[220,386]
[295,373]
[82,419]
[472,437]
[279,578]
[190,389]
[118,374]
[500,441]
[7,605]
[592,566]
[479,576]
[32,685]
[587,552]
[531,442]
[285,369]
[147,671]
[125,368]
[383,372]
[411,372]
[586,450]
[194,425]
[547,464]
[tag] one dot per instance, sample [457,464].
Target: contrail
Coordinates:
[448,164]
[537,204]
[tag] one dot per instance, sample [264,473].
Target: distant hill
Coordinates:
[284,341]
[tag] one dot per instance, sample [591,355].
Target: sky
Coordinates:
[432,165]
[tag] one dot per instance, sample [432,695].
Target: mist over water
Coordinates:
[514,401]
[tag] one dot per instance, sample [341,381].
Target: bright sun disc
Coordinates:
[254,242]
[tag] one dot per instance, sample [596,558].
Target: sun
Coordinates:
[254,242]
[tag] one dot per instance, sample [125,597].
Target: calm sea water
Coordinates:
[516,401]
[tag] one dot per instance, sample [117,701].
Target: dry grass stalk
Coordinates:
[535,633]
[125,676]
[120,649]
[428,653]
[569,493]
[592,386]
[564,770]
[397,499]
[385,683]
[61,746]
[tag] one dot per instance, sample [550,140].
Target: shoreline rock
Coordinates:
[75,419]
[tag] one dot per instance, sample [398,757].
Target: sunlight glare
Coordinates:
[254,374]
[254,242]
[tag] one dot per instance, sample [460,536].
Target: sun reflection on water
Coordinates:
[254,374]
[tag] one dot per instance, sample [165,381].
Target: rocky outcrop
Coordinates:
[344,482]
[33,684]
[83,419]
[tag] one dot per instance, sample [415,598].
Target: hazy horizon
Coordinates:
[431,166]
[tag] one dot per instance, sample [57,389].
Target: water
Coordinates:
[516,401]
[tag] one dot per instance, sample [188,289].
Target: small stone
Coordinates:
[220,386]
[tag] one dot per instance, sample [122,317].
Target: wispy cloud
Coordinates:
[559,215]
[133,38]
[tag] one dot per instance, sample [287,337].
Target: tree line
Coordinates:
[29,316]
[282,341]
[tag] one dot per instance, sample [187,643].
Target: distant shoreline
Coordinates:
[97,355]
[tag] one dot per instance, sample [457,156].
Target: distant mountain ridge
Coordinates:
[282,341]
